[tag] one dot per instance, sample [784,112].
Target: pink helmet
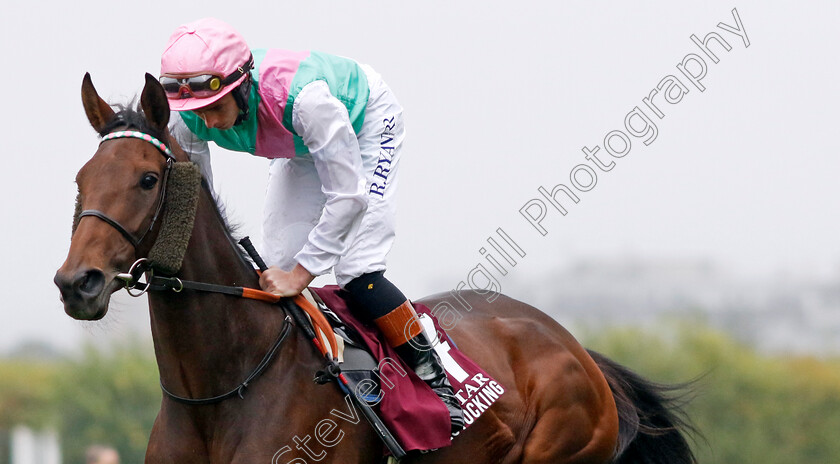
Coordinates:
[202,48]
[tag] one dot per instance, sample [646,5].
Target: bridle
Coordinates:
[170,159]
[143,265]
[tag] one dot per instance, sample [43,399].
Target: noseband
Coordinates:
[170,159]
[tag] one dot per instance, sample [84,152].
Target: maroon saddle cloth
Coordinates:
[408,407]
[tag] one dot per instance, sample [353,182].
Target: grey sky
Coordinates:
[500,97]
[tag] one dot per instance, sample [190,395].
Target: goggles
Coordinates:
[203,84]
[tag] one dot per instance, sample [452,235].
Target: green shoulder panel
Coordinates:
[345,78]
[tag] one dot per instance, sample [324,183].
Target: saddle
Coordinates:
[409,409]
[356,362]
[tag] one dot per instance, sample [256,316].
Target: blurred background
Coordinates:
[709,253]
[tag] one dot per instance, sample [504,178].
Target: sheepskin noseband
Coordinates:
[167,253]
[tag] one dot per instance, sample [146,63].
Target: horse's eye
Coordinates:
[148,181]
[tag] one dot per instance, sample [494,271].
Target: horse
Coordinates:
[563,404]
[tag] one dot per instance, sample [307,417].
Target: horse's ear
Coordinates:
[98,112]
[154,103]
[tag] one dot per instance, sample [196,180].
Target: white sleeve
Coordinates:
[324,125]
[197,149]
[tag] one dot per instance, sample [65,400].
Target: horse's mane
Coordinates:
[232,228]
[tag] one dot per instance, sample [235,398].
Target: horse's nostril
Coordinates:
[90,283]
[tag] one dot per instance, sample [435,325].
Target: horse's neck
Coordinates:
[206,344]
[203,340]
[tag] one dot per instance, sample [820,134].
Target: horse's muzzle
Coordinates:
[82,293]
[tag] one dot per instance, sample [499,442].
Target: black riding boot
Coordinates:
[422,358]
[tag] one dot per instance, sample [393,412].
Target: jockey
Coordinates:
[333,131]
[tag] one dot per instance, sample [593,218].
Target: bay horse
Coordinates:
[562,405]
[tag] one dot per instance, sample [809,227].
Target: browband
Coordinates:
[142,136]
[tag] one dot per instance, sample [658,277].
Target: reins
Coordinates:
[156,283]
[175,284]
[332,370]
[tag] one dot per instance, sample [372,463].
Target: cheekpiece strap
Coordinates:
[142,136]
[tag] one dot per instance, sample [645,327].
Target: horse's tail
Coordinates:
[652,422]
